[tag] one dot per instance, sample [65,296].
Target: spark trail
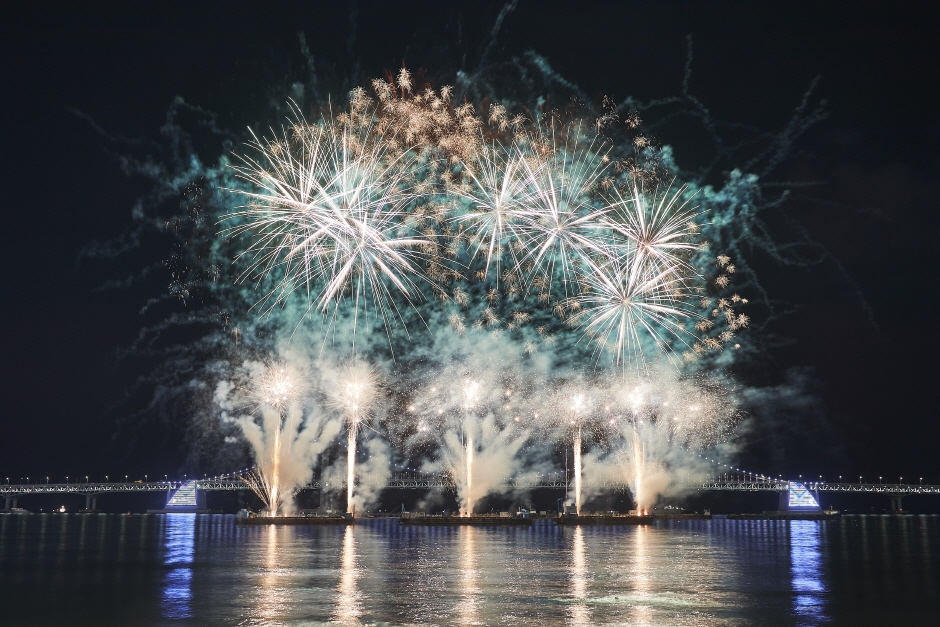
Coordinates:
[353,394]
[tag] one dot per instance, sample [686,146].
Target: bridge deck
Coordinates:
[426,481]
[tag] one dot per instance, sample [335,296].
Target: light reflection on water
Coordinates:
[177,588]
[809,588]
[268,606]
[348,608]
[208,570]
[642,611]
[470,592]
[579,612]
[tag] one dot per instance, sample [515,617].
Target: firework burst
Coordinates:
[495,186]
[564,226]
[327,213]
[278,386]
[627,300]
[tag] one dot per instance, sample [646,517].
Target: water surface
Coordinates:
[206,570]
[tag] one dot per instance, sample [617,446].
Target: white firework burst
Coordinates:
[660,228]
[628,299]
[327,214]
[278,385]
[562,227]
[495,186]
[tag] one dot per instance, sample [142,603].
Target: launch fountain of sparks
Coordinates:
[353,395]
[285,442]
[276,391]
[471,392]
[577,406]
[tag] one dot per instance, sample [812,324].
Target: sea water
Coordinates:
[179,569]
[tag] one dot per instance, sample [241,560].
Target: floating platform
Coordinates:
[476,521]
[295,520]
[603,519]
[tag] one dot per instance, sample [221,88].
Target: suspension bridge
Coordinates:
[189,493]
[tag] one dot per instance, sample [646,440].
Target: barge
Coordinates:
[604,519]
[245,517]
[478,520]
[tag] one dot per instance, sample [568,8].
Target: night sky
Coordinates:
[860,326]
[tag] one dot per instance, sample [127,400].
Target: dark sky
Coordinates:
[871,355]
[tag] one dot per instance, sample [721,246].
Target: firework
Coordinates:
[496,188]
[278,386]
[412,209]
[661,231]
[626,301]
[353,395]
[564,226]
[327,214]
[578,407]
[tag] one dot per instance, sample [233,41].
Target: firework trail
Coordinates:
[353,393]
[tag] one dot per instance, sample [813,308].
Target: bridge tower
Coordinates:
[186,499]
[798,498]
